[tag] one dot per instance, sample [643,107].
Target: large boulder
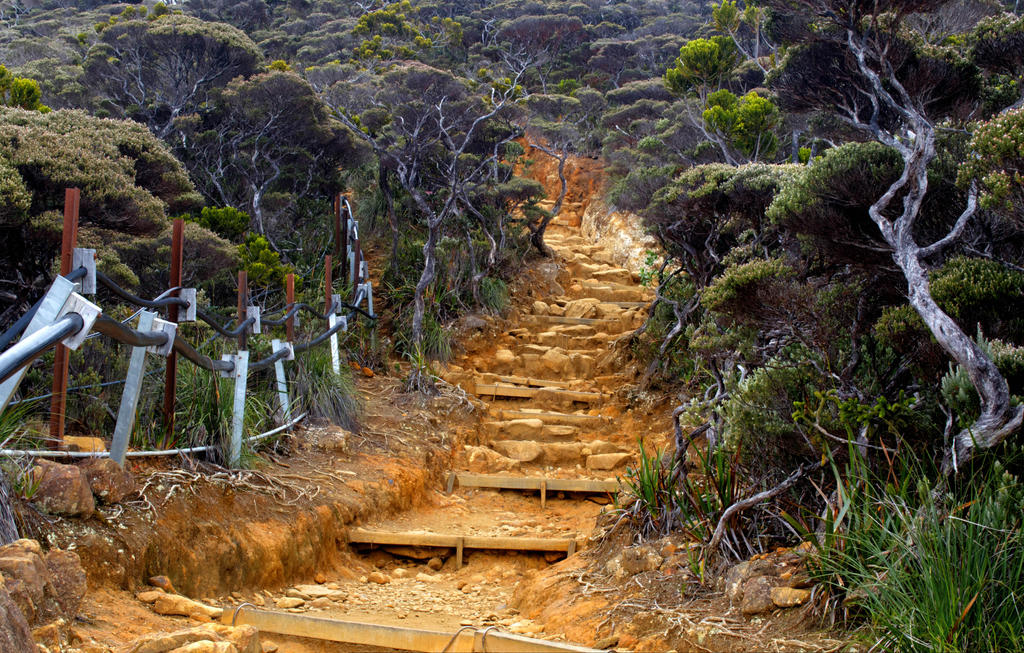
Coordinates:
[62,490]
[482,460]
[109,482]
[522,450]
[214,638]
[44,588]
[67,578]
[15,634]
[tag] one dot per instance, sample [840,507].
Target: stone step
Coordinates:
[529,429]
[596,455]
[606,325]
[504,390]
[596,342]
[487,379]
[608,292]
[570,419]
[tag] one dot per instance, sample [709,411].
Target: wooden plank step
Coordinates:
[502,390]
[630,304]
[556,418]
[466,640]
[530,381]
[447,541]
[590,486]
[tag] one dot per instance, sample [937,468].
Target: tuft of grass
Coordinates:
[666,500]
[494,294]
[929,570]
[322,393]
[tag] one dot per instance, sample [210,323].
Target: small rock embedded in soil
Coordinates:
[162,582]
[435,564]
[320,578]
[287,602]
[789,597]
[378,577]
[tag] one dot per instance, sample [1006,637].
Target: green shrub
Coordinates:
[979,292]
[227,222]
[263,264]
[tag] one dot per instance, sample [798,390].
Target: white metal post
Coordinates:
[47,312]
[282,386]
[130,396]
[240,375]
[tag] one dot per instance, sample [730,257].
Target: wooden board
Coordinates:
[393,637]
[530,381]
[466,479]
[503,390]
[501,543]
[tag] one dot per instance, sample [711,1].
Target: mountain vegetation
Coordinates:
[837,189]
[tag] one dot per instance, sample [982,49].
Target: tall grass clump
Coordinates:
[664,499]
[322,393]
[930,570]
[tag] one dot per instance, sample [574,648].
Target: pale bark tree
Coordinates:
[870,88]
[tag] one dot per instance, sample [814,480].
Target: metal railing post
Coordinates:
[341,226]
[289,293]
[240,375]
[171,375]
[58,403]
[282,386]
[49,309]
[243,307]
[130,396]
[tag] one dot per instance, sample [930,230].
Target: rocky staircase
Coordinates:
[548,383]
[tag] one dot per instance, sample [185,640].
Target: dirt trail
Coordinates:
[557,351]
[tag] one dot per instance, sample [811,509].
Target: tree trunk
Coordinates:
[537,237]
[998,417]
[426,278]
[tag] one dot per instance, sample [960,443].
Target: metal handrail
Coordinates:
[35,344]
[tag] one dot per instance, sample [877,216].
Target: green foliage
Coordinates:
[322,393]
[20,92]
[958,392]
[262,263]
[827,206]
[702,65]
[998,163]
[930,571]
[740,286]
[980,292]
[494,294]
[227,222]
[748,122]
[662,500]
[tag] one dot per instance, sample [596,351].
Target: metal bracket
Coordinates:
[336,303]
[228,374]
[276,345]
[89,312]
[189,295]
[254,312]
[85,258]
[171,329]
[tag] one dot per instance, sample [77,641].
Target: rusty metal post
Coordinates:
[289,293]
[243,303]
[341,225]
[328,284]
[358,252]
[171,374]
[58,403]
